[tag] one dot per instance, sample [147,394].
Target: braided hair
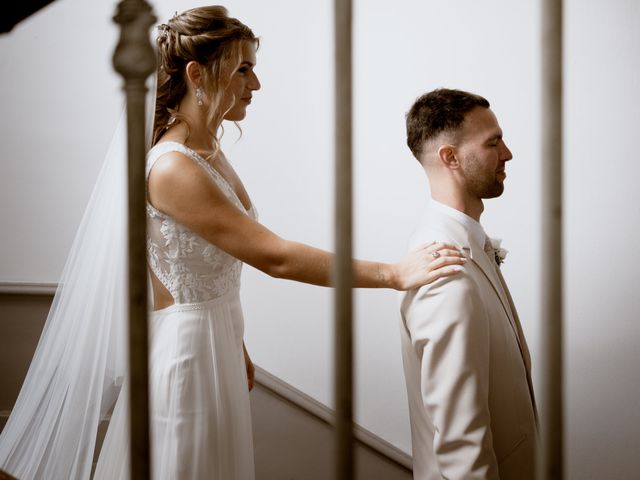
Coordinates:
[208,36]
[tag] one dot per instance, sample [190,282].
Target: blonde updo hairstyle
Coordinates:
[208,36]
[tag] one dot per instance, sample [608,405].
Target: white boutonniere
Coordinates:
[499,253]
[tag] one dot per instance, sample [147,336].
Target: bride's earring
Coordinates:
[199,94]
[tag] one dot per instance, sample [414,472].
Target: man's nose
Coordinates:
[506,153]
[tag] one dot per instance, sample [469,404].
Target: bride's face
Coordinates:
[243,83]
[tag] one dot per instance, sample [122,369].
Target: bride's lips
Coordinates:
[246,99]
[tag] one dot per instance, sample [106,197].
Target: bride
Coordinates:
[202,226]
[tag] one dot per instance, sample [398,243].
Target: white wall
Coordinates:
[61,102]
[602,228]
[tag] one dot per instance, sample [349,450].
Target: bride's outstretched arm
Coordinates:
[178,188]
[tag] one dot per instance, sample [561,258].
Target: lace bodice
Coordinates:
[192,269]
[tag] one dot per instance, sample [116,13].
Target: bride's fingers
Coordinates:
[421,268]
[443,261]
[446,252]
[443,272]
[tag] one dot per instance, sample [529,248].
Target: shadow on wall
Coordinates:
[18,12]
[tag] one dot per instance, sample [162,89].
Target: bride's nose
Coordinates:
[254,82]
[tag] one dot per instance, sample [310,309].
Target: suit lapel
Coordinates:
[516,322]
[490,271]
[494,275]
[524,349]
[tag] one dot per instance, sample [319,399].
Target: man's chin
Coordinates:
[495,192]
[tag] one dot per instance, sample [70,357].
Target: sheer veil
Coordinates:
[79,366]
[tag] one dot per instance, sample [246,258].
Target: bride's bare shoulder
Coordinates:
[171,170]
[176,182]
[171,162]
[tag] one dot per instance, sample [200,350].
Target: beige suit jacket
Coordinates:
[467,369]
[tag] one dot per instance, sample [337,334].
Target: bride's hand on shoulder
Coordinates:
[427,263]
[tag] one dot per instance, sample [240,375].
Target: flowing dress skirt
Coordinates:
[200,413]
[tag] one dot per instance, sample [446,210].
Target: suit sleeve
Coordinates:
[449,331]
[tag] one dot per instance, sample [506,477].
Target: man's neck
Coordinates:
[468,206]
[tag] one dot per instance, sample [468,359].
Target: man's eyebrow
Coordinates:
[495,136]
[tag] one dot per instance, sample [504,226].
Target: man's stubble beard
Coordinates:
[480,183]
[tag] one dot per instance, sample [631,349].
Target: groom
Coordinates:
[466,361]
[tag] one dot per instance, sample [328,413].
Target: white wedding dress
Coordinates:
[200,414]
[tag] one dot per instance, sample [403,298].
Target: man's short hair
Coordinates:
[441,110]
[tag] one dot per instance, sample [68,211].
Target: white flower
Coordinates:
[499,253]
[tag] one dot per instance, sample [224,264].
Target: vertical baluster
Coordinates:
[135,60]
[551,465]
[343,275]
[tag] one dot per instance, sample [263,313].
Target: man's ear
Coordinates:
[194,74]
[448,158]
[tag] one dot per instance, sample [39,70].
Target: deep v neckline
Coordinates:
[216,173]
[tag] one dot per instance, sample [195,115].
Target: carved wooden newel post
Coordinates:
[343,275]
[135,60]
[551,404]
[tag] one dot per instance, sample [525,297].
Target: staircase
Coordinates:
[293,436]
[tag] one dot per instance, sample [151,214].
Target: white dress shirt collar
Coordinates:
[473,228]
